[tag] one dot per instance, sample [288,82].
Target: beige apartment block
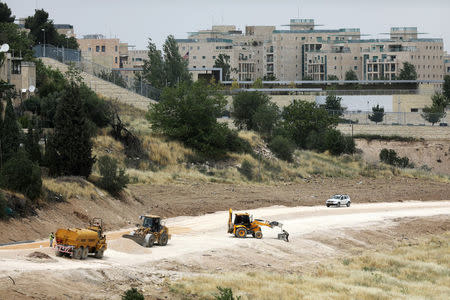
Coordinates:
[101,50]
[303,52]
[447,64]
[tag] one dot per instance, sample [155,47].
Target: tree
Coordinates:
[332,77]
[32,143]
[258,83]
[223,61]
[153,70]
[132,294]
[175,66]
[189,114]
[71,146]
[245,104]
[39,25]
[408,72]
[21,175]
[10,133]
[282,147]
[114,77]
[265,118]
[333,105]
[301,117]
[114,179]
[351,75]
[446,88]
[17,39]
[436,111]
[270,77]
[377,114]
[5,14]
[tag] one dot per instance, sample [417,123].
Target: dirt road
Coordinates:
[194,235]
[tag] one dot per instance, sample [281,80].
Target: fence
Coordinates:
[72,56]
[394,118]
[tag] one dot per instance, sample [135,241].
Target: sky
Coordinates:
[135,21]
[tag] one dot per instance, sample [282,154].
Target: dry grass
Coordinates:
[419,271]
[170,161]
[70,187]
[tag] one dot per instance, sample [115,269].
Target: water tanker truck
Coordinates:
[78,243]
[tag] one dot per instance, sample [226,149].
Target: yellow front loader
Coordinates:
[244,225]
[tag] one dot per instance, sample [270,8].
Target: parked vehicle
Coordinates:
[339,200]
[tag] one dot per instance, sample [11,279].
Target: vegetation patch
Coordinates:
[419,270]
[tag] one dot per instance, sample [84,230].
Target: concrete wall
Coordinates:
[425,132]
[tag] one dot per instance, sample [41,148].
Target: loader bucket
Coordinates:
[139,240]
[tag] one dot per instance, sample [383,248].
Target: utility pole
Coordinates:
[43,29]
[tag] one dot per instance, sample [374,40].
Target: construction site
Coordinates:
[212,168]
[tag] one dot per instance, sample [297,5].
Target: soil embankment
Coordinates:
[197,199]
[433,154]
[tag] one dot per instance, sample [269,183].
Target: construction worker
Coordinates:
[51,237]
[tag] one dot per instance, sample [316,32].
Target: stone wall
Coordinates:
[425,132]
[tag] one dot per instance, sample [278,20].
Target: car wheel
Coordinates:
[338,204]
[348,204]
[328,205]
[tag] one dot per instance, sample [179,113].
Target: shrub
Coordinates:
[246,169]
[282,147]
[390,157]
[112,180]
[225,294]
[245,105]
[337,143]
[21,175]
[132,294]
[3,212]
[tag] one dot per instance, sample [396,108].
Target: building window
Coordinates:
[214,57]
[194,57]
[89,49]
[115,59]
[97,48]
[203,67]
[198,47]
[103,48]
[355,58]
[195,67]
[356,68]
[203,57]
[115,48]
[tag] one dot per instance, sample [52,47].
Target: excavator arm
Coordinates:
[270,224]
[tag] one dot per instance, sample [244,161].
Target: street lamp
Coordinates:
[43,29]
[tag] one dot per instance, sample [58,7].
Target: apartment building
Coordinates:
[447,64]
[101,50]
[304,52]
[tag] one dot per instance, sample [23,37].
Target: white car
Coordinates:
[339,200]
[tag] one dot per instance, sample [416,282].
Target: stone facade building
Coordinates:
[304,52]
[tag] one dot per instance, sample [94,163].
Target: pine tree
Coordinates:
[32,143]
[10,133]
[154,71]
[175,65]
[70,150]
[377,114]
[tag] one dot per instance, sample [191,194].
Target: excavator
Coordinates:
[244,225]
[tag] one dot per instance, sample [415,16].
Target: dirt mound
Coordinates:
[39,255]
[127,246]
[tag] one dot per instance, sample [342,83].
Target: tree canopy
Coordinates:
[435,112]
[351,75]
[223,61]
[5,14]
[408,72]
[377,115]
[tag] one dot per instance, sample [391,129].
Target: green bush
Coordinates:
[246,169]
[3,212]
[282,147]
[113,179]
[337,143]
[21,175]
[132,294]
[225,294]
[390,157]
